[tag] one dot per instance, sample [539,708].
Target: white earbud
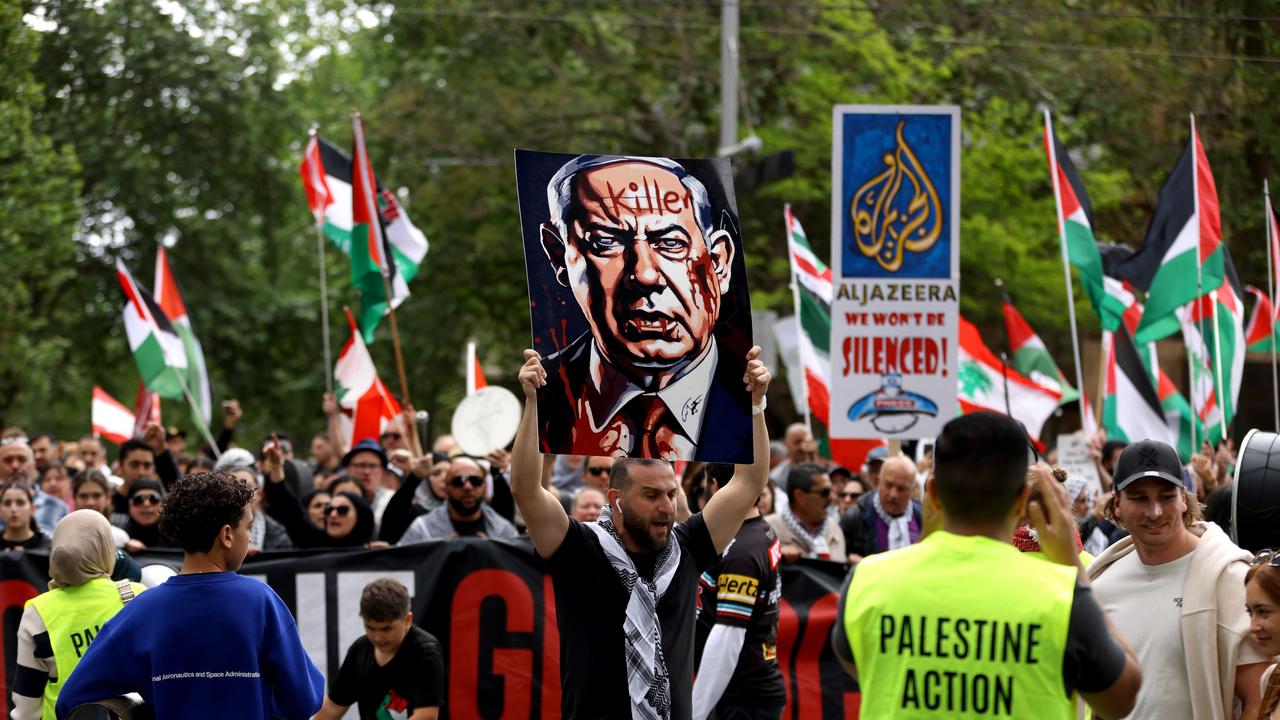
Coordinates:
[618,504]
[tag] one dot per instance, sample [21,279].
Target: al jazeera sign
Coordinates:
[896,251]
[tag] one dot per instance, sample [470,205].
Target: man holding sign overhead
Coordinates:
[636,282]
[626,585]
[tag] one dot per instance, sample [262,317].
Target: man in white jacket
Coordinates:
[1175,589]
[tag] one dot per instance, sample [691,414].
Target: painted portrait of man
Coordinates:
[640,275]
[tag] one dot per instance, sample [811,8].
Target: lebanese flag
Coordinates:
[475,375]
[813,293]
[982,380]
[367,407]
[111,420]
[1185,232]
[159,353]
[169,296]
[1030,357]
[1260,330]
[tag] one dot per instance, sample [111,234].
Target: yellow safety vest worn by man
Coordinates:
[963,625]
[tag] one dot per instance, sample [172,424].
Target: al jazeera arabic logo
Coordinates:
[891,409]
[897,211]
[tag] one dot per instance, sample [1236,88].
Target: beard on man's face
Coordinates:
[464,507]
[642,533]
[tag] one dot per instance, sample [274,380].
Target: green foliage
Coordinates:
[185,124]
[39,189]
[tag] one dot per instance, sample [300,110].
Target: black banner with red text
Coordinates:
[492,607]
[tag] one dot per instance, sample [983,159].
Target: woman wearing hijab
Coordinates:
[81,598]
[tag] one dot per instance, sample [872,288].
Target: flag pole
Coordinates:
[395,341]
[200,423]
[795,300]
[1271,289]
[1066,263]
[1213,300]
[324,297]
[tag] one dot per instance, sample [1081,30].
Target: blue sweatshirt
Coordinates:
[214,646]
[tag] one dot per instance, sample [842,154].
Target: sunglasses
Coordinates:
[1270,557]
[339,510]
[598,471]
[848,494]
[475,481]
[144,499]
[824,492]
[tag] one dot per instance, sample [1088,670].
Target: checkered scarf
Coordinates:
[647,679]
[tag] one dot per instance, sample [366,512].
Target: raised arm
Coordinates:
[543,514]
[727,509]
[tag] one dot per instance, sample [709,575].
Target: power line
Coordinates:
[889,5]
[778,30]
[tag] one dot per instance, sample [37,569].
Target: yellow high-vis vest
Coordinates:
[73,616]
[960,627]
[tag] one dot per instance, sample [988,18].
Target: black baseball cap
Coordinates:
[1148,458]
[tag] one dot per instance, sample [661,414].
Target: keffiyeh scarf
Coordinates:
[815,544]
[647,679]
[899,527]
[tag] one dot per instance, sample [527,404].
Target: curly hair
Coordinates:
[198,506]
[384,600]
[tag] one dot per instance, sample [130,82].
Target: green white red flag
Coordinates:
[1075,228]
[1030,357]
[111,419]
[1183,242]
[381,237]
[157,349]
[365,403]
[1259,332]
[169,297]
[811,279]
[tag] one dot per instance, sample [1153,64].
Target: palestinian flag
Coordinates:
[157,349]
[813,308]
[1204,394]
[1075,231]
[1132,410]
[811,280]
[1221,312]
[1030,357]
[327,174]
[983,380]
[475,375]
[366,405]
[1259,333]
[169,296]
[111,420]
[1184,233]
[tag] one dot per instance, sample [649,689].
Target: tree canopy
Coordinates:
[183,123]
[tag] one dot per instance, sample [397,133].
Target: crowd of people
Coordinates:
[1151,611]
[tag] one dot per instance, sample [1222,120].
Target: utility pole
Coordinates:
[728,74]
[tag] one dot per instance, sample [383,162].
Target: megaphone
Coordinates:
[1255,492]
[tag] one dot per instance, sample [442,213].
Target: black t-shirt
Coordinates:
[1092,660]
[414,678]
[743,591]
[591,604]
[468,528]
